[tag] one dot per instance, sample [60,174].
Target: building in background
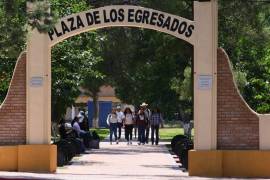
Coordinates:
[106,100]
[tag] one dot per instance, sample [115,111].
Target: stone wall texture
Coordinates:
[237,123]
[13,109]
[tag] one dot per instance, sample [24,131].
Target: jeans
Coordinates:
[86,136]
[128,132]
[155,130]
[147,134]
[135,131]
[113,130]
[119,127]
[141,133]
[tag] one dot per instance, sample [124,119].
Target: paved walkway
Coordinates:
[124,161]
[120,161]
[117,162]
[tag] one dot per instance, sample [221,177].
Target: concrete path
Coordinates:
[124,161]
[116,162]
[120,161]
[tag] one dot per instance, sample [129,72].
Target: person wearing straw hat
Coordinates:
[141,123]
[147,113]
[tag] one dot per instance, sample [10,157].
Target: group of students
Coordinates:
[142,121]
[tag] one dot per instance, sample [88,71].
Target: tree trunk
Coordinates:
[96,111]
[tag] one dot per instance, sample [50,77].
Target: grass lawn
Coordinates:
[168,133]
[103,133]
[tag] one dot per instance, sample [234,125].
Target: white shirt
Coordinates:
[112,118]
[141,117]
[147,113]
[129,119]
[120,116]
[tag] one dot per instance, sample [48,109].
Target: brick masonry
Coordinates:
[13,109]
[237,124]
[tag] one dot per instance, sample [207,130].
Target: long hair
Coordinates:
[127,110]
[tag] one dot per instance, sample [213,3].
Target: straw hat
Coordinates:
[143,104]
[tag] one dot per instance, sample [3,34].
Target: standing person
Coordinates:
[120,118]
[156,120]
[112,123]
[128,123]
[141,123]
[135,127]
[147,116]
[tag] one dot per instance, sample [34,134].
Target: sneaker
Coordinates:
[117,142]
[130,142]
[139,143]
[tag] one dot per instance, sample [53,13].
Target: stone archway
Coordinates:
[222,118]
[201,33]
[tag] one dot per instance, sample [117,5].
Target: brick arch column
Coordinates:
[237,123]
[13,109]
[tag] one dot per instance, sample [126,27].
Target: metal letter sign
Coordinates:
[119,16]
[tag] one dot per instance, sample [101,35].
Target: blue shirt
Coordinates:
[156,119]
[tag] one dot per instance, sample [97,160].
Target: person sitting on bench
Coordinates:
[62,129]
[69,134]
[86,136]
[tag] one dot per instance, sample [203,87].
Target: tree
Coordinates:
[138,57]
[244,34]
[92,77]
[184,89]
[73,63]
[12,39]
[13,27]
[92,85]
[141,63]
